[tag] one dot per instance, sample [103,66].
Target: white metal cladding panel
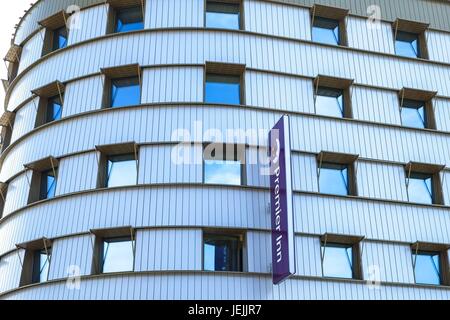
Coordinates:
[25,119]
[387,262]
[160,164]
[277,19]
[17,194]
[157,124]
[173,84]
[255,168]
[44,9]
[70,256]
[83,95]
[279,92]
[174,13]
[88,24]
[32,51]
[213,286]
[140,207]
[365,35]
[10,270]
[308,258]
[169,249]
[261,52]
[375,105]
[442,114]
[381,181]
[304,172]
[259,252]
[438,44]
[77,173]
[318,214]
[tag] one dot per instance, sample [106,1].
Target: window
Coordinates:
[223,89]
[41,265]
[223,83]
[341,256]
[328,25]
[224,164]
[44,179]
[330,102]
[336,173]
[51,100]
[12,58]
[60,37]
[129,19]
[416,108]
[423,183]
[410,40]
[7,124]
[413,114]
[332,96]
[427,267]
[118,255]
[54,109]
[118,165]
[334,179]
[48,184]
[122,86]
[125,92]
[223,252]
[3,192]
[326,31]
[122,170]
[223,15]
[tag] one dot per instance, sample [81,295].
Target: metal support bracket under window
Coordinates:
[407,181]
[53,167]
[137,162]
[323,247]
[92,238]
[20,259]
[60,93]
[34,103]
[395,32]
[313,17]
[133,245]
[318,171]
[48,257]
[316,91]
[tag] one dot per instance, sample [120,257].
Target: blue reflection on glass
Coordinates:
[427,268]
[338,261]
[223,172]
[122,171]
[326,31]
[129,19]
[48,185]
[60,38]
[420,188]
[54,109]
[118,255]
[223,89]
[125,92]
[407,45]
[221,253]
[222,15]
[330,102]
[44,265]
[334,179]
[413,114]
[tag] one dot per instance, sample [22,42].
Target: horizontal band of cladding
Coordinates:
[195,46]
[220,286]
[143,124]
[202,206]
[435,13]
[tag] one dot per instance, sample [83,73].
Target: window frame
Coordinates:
[412,28]
[119,73]
[237,3]
[239,155]
[324,82]
[425,169]
[38,169]
[31,265]
[239,235]
[428,248]
[331,13]
[115,6]
[52,24]
[218,69]
[419,96]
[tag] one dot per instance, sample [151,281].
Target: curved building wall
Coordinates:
[171,206]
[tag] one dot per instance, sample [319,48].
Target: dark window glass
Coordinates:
[407,45]
[222,15]
[413,114]
[427,267]
[223,89]
[125,92]
[326,31]
[48,185]
[129,19]
[334,179]
[122,171]
[41,265]
[330,102]
[118,255]
[337,261]
[60,37]
[222,253]
[420,188]
[54,109]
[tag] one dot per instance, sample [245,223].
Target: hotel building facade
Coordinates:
[103,99]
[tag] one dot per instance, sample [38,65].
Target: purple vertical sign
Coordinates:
[282,217]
